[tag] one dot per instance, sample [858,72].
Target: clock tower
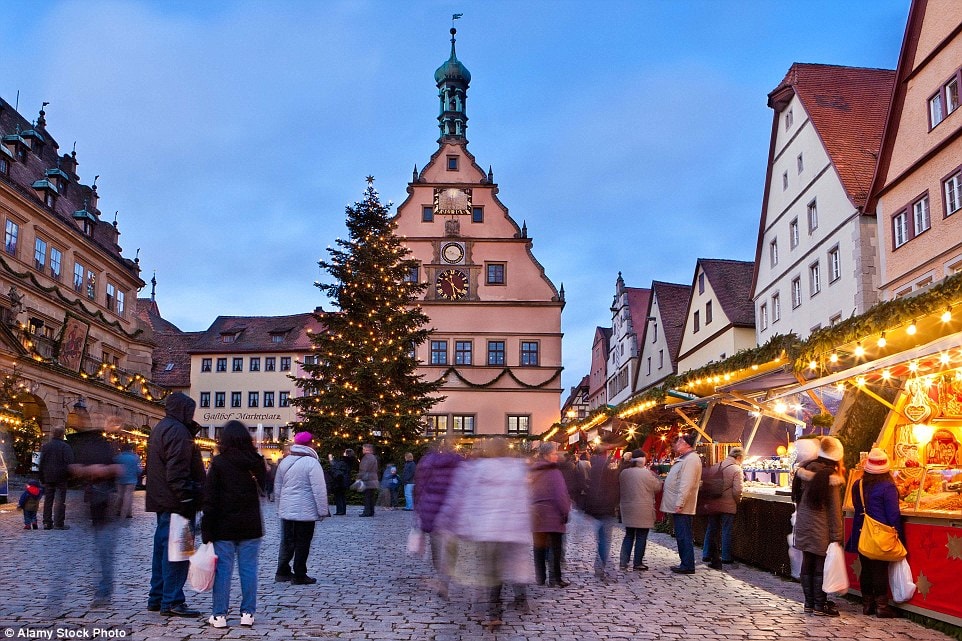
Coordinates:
[495,315]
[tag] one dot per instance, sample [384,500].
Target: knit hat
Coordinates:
[806,449]
[303,438]
[689,438]
[831,448]
[877,462]
[637,454]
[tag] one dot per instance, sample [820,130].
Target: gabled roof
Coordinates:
[257,334]
[171,358]
[576,390]
[847,107]
[672,307]
[146,309]
[731,280]
[638,300]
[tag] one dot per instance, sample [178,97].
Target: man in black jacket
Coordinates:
[175,478]
[55,459]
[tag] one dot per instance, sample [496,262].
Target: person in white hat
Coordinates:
[817,493]
[881,502]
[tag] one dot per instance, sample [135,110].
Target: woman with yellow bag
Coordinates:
[875,495]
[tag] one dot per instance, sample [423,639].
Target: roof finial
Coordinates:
[94,186]
[115,218]
[41,121]
[137,256]
[490,174]
[524,229]
[153,287]
[561,294]
[415,178]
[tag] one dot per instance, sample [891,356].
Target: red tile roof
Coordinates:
[256,333]
[638,299]
[731,280]
[848,107]
[672,307]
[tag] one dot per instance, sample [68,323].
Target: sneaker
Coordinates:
[217,621]
[247,618]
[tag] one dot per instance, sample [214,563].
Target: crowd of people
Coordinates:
[493,520]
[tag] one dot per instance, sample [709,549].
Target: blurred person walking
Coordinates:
[232,520]
[639,485]
[550,505]
[432,481]
[127,481]
[680,498]
[301,502]
[601,504]
[55,459]
[408,473]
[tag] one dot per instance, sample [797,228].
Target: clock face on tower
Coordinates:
[452,253]
[452,284]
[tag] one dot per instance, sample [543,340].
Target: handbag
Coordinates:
[835,577]
[878,541]
[203,565]
[900,580]
[357,486]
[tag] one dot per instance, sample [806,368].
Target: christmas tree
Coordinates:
[362,385]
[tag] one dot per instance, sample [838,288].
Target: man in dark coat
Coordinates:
[601,503]
[56,457]
[368,475]
[341,470]
[175,478]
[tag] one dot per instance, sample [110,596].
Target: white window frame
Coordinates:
[921,216]
[763,314]
[834,264]
[773,251]
[951,91]
[800,163]
[776,307]
[952,190]
[793,236]
[936,110]
[900,229]
[812,213]
[796,292]
[815,278]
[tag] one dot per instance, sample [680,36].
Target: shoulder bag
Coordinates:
[878,541]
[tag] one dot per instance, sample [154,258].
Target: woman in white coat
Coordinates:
[639,485]
[301,502]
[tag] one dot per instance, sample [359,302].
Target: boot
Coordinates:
[883,609]
[868,602]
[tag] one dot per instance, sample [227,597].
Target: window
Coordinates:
[427,214]
[953,202]
[205,364]
[111,293]
[285,363]
[815,281]
[78,277]
[763,316]
[494,273]
[654,331]
[56,260]
[834,265]
[661,358]
[221,364]
[789,119]
[833,321]
[205,399]
[121,302]
[952,95]
[219,399]
[255,364]
[477,214]
[12,236]
[268,399]
[462,424]
[283,399]
[495,352]
[91,285]
[701,283]
[452,163]
[784,180]
[235,399]
[4,166]
[413,274]
[773,252]
[936,110]
[708,312]
[312,359]
[462,352]
[900,229]
[776,307]
[40,254]
[518,425]
[253,399]
[697,321]
[435,424]
[270,364]
[796,292]
[529,353]
[49,199]
[812,216]
[648,372]
[800,163]
[277,337]
[439,352]
[920,215]
[237,364]
[228,338]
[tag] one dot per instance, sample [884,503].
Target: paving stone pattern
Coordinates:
[369,588]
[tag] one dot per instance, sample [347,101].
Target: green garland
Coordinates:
[506,371]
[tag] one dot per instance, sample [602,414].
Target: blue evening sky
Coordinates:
[630,136]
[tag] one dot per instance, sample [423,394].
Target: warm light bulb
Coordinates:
[881,340]
[859,350]
[860,381]
[886,374]
[947,315]
[812,365]
[914,366]
[944,358]
[911,329]
[833,358]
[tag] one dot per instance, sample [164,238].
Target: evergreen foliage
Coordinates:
[362,385]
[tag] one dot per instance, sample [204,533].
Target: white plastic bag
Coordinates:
[900,581]
[180,541]
[203,564]
[835,578]
[416,541]
[794,558]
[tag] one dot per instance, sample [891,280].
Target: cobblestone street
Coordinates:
[369,588]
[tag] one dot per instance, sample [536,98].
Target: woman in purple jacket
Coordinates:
[550,505]
[881,502]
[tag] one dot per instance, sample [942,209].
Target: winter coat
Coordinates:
[368,472]
[408,472]
[341,469]
[881,503]
[92,448]
[550,503]
[639,485]
[602,493]
[131,464]
[175,471]
[817,526]
[232,506]
[681,485]
[732,482]
[299,486]
[489,500]
[432,480]
[30,499]
[55,459]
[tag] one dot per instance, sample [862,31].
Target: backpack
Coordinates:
[713,481]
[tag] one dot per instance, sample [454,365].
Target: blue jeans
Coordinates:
[246,553]
[636,537]
[167,578]
[685,540]
[409,496]
[603,527]
[726,522]
[104,545]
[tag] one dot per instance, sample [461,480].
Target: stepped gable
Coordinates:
[731,281]
[848,107]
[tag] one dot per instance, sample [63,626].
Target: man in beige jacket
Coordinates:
[680,497]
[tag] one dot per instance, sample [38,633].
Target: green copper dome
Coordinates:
[452,69]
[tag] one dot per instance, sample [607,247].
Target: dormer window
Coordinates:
[277,337]
[17,146]
[228,338]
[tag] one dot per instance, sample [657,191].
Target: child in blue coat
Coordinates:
[30,503]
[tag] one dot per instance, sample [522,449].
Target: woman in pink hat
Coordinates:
[881,502]
[301,502]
